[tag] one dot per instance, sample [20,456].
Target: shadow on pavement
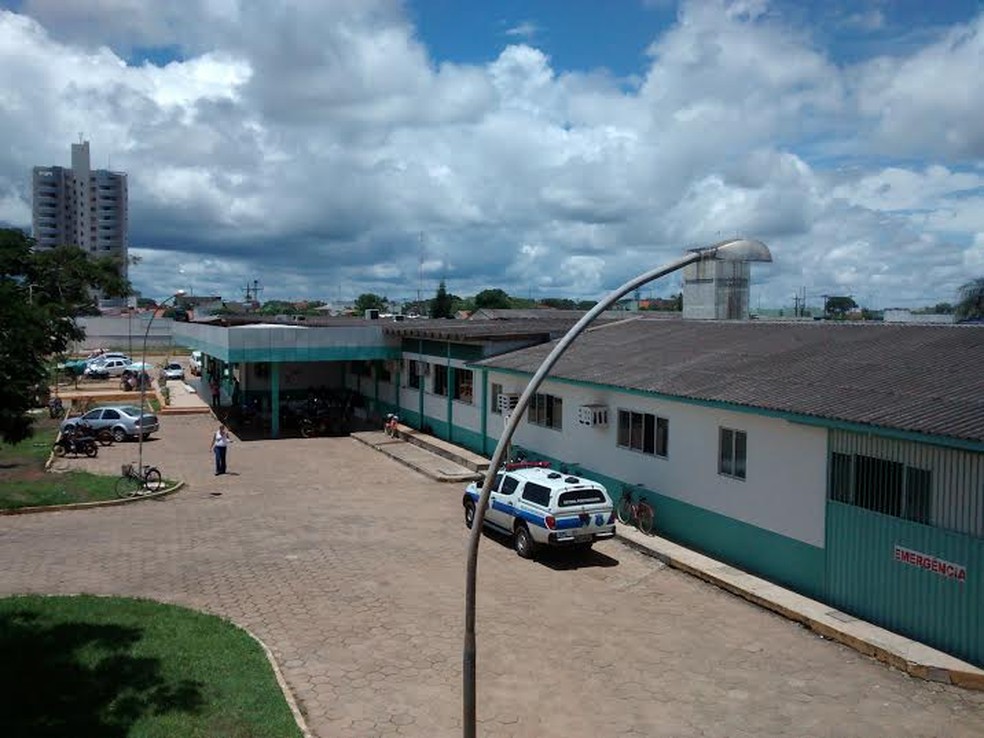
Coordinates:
[558,558]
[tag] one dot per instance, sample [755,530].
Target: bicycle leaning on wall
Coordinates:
[639,513]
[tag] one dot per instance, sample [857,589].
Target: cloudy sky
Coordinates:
[333,147]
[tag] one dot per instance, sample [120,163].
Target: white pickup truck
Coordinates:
[542,507]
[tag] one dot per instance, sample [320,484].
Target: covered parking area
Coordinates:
[266,365]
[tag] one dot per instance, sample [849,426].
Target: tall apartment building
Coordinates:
[82,207]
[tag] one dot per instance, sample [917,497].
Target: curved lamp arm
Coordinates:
[143,368]
[730,250]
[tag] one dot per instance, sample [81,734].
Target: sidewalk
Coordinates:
[912,657]
[909,656]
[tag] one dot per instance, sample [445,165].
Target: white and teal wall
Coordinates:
[915,565]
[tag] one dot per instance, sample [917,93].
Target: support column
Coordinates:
[485,411]
[274,399]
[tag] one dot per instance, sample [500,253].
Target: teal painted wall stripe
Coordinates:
[772,556]
[783,415]
[864,579]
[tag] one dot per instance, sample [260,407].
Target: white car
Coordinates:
[540,506]
[195,363]
[107,367]
[174,371]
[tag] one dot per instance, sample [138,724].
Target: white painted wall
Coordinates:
[785,487]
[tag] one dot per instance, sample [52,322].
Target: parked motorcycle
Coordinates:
[75,444]
[104,435]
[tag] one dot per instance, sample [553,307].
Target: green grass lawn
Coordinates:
[88,667]
[24,482]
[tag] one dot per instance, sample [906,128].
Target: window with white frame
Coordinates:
[546,410]
[643,432]
[732,453]
[463,379]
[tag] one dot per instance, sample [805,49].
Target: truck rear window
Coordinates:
[580,497]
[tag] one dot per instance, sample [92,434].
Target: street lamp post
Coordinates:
[143,369]
[730,250]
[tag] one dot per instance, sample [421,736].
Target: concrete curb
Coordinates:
[91,505]
[282,683]
[426,469]
[913,658]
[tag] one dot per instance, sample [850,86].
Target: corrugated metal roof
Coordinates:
[925,379]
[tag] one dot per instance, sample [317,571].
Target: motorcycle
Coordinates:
[75,444]
[104,435]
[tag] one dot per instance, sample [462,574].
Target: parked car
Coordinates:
[539,506]
[195,363]
[123,421]
[174,371]
[112,367]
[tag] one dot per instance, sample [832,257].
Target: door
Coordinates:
[502,503]
[109,418]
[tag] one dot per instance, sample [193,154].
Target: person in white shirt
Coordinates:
[220,443]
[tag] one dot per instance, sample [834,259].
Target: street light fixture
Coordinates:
[143,369]
[730,250]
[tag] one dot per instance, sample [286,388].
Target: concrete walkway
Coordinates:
[350,568]
[905,654]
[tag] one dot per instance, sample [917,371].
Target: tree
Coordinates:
[369,301]
[40,294]
[559,303]
[839,306]
[971,304]
[492,300]
[442,304]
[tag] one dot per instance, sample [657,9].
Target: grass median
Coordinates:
[86,666]
[25,483]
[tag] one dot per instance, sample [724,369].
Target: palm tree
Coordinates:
[971,303]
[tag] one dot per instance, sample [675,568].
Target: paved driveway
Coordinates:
[350,567]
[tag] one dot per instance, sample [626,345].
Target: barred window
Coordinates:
[546,410]
[643,432]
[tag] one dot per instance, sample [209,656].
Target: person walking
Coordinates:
[220,444]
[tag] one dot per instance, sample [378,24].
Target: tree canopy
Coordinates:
[441,305]
[40,295]
[971,305]
[369,301]
[839,305]
[492,300]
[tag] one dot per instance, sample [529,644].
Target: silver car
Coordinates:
[123,421]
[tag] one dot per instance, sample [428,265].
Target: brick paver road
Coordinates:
[350,567]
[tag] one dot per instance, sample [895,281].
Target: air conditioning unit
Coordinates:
[592,415]
[507,403]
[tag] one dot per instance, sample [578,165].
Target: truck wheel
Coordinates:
[523,542]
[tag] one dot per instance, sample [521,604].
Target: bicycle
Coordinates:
[640,513]
[134,483]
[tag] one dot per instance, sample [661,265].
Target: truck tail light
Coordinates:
[551,522]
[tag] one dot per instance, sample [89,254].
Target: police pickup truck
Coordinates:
[540,506]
